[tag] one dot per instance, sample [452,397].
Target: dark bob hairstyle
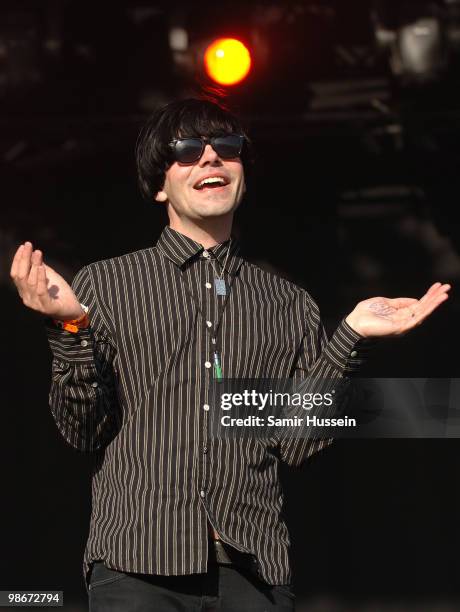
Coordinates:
[181,119]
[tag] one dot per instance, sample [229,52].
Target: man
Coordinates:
[182,519]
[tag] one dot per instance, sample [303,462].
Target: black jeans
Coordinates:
[224,588]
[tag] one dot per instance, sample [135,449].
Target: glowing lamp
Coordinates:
[227,61]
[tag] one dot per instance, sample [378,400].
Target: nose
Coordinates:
[209,156]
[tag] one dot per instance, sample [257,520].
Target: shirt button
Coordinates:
[94,384]
[353,353]
[208,323]
[205,254]
[205,406]
[207,364]
[202,494]
[208,285]
[205,450]
[84,343]
[213,340]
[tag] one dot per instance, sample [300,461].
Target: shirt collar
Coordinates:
[180,249]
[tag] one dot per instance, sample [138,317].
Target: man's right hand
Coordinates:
[41,288]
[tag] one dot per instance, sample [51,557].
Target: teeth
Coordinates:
[210,180]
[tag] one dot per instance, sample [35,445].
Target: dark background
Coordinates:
[354,193]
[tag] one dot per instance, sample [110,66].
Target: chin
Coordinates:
[214,209]
[210,214]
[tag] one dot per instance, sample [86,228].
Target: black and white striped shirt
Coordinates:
[134,388]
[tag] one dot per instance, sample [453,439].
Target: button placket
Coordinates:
[209,299]
[207,309]
[196,282]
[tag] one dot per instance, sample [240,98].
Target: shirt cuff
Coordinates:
[347,350]
[72,348]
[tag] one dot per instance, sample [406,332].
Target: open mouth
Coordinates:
[211,182]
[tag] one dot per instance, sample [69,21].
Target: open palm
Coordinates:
[381,316]
[41,288]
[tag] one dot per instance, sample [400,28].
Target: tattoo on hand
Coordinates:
[382,310]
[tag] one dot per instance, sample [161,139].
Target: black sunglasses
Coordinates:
[189,150]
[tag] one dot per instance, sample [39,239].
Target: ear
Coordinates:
[161,196]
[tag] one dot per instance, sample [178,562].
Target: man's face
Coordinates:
[185,191]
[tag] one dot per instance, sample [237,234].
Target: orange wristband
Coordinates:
[74,325]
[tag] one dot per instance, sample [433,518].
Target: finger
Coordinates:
[430,291]
[32,278]
[25,261]
[422,313]
[15,262]
[442,290]
[445,288]
[402,302]
[35,261]
[435,304]
[42,284]
[37,258]
[433,290]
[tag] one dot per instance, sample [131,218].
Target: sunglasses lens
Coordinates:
[228,146]
[188,150]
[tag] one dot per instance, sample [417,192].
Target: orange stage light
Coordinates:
[227,61]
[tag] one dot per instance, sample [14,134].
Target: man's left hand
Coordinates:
[380,316]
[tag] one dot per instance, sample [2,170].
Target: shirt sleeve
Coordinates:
[322,365]
[83,397]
